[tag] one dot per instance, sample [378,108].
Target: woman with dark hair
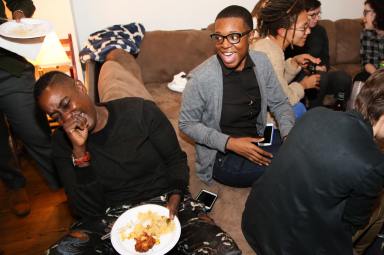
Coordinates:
[283,23]
[371,39]
[337,83]
[324,183]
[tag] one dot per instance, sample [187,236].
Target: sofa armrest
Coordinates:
[119,76]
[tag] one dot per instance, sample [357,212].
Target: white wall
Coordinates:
[338,9]
[92,15]
[154,15]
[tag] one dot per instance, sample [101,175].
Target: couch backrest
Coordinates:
[348,41]
[166,53]
[344,40]
[331,32]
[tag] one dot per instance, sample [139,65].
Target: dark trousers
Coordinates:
[197,236]
[377,247]
[11,176]
[331,83]
[362,76]
[236,171]
[28,123]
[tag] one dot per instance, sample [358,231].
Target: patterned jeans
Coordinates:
[198,236]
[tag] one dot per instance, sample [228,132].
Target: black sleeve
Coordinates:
[26,6]
[360,204]
[325,49]
[85,194]
[164,139]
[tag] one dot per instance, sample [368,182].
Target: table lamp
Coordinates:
[52,54]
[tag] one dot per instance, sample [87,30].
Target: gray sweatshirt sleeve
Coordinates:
[197,116]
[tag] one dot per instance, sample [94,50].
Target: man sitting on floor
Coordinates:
[115,156]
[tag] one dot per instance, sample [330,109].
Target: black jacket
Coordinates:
[320,188]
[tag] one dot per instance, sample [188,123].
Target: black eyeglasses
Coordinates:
[232,38]
[300,29]
[365,12]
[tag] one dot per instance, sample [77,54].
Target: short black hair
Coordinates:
[236,11]
[378,8]
[311,4]
[53,77]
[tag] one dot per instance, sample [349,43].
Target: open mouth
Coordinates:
[228,57]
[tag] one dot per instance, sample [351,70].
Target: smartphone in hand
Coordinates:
[268,135]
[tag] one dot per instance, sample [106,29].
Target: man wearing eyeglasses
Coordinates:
[224,108]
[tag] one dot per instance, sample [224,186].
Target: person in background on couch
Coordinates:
[324,183]
[371,39]
[224,106]
[117,155]
[282,24]
[337,83]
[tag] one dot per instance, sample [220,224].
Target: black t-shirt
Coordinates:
[241,100]
[135,157]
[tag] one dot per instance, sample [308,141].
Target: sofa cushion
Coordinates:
[348,41]
[166,53]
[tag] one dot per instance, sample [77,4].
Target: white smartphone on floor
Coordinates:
[208,198]
[268,135]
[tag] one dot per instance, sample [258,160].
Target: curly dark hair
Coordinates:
[236,11]
[275,14]
[370,101]
[378,8]
[311,4]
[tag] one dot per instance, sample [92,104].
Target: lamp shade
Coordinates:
[52,52]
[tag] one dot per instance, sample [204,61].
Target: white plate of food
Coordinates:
[145,230]
[26,28]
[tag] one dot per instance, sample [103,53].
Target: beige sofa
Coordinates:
[344,44]
[166,53]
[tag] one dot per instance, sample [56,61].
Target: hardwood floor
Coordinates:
[48,221]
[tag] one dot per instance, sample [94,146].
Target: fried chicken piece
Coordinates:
[144,242]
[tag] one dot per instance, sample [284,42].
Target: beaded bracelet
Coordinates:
[82,161]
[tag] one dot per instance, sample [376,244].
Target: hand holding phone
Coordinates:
[248,148]
[208,198]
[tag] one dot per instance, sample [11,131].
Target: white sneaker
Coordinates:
[178,83]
